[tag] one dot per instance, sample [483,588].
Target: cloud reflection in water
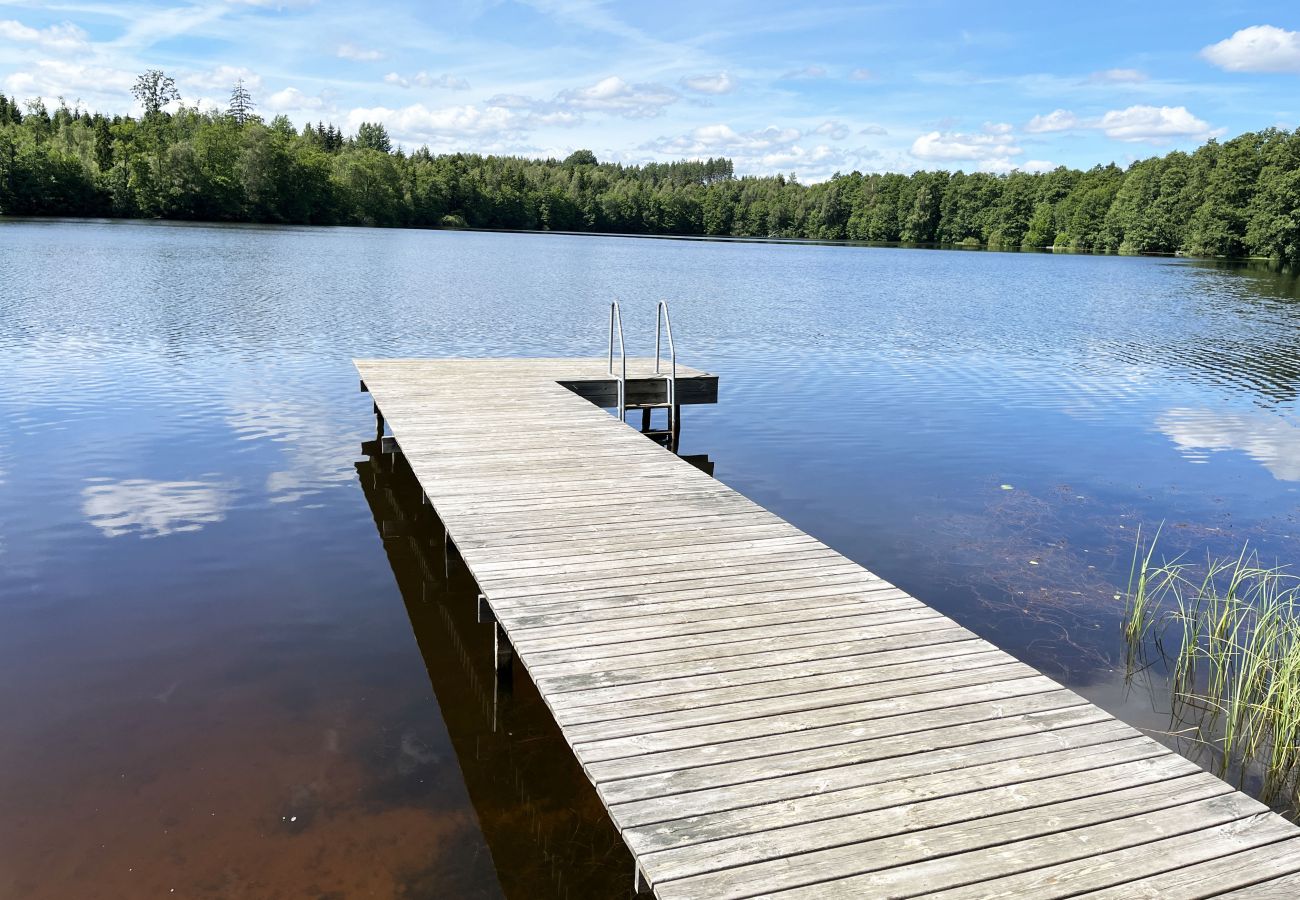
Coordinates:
[152,509]
[1271,441]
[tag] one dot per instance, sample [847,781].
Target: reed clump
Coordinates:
[1228,633]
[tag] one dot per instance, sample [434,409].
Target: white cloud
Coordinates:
[1118,76]
[1057,120]
[1156,124]
[153,508]
[223,78]
[951,145]
[62,38]
[359,54]
[1259,48]
[1153,123]
[796,155]
[425,79]
[613,94]
[1000,165]
[723,138]
[873,129]
[767,150]
[292,100]
[610,95]
[450,127]
[862,75]
[55,78]
[1003,165]
[1271,441]
[721,83]
[836,131]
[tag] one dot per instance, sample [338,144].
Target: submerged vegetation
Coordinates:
[1236,198]
[1228,634]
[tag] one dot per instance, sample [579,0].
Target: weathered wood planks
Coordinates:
[761,715]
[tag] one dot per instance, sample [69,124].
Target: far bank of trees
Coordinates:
[1234,198]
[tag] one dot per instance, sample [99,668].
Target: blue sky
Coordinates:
[776,86]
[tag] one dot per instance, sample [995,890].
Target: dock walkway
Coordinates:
[762,716]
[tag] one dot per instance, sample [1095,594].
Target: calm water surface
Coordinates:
[231,666]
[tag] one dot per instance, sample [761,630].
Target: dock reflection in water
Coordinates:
[547,831]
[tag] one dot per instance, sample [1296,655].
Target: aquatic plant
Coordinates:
[1228,633]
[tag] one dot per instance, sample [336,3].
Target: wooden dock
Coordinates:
[762,716]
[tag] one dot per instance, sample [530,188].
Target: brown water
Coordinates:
[218,676]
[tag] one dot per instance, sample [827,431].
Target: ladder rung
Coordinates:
[649,406]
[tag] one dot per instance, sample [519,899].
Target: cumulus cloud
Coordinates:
[836,131]
[62,38]
[360,54]
[1259,48]
[55,78]
[721,83]
[614,95]
[1057,120]
[1153,123]
[1118,76]
[435,124]
[425,79]
[721,138]
[797,156]
[765,150]
[451,126]
[1003,165]
[873,129]
[292,100]
[952,145]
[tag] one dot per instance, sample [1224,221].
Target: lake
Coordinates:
[231,666]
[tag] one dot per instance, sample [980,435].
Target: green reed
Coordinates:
[1228,632]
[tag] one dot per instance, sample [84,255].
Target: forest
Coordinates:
[1235,198]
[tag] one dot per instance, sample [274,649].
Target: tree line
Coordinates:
[1234,198]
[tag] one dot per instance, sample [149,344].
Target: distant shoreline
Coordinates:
[705,238]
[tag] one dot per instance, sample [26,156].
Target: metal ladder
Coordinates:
[663,326]
[616,324]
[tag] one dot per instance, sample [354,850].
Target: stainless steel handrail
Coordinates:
[616,316]
[664,324]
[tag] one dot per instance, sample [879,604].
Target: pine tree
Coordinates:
[103,145]
[374,136]
[241,103]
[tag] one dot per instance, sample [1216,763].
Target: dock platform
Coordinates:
[762,716]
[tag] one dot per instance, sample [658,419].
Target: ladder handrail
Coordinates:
[616,316]
[664,323]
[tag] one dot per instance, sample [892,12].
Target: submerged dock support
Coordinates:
[503,654]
